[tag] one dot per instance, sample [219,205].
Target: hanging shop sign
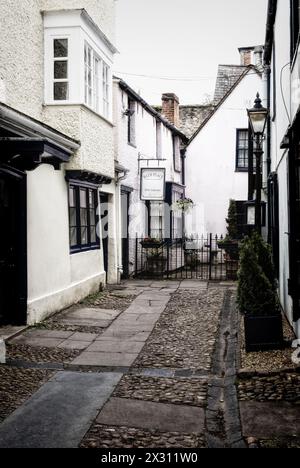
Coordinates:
[153,183]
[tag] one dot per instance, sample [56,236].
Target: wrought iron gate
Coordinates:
[185,258]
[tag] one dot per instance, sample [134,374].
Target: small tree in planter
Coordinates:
[231,244]
[257,297]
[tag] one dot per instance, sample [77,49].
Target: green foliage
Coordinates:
[257,283]
[264,256]
[231,220]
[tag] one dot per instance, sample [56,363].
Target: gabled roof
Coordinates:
[227,77]
[125,87]
[224,98]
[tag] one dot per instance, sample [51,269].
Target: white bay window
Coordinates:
[78,62]
[97,82]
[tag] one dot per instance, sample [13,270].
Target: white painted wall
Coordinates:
[211,176]
[56,278]
[128,155]
[22,63]
[280,122]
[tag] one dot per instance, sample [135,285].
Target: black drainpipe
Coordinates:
[268,145]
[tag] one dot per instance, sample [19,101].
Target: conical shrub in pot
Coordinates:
[257,297]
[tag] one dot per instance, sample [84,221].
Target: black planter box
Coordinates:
[263,333]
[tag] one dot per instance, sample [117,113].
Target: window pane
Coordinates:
[73,236]
[93,235]
[83,217]
[84,236]
[73,221]
[60,47]
[83,198]
[60,69]
[61,91]
[72,197]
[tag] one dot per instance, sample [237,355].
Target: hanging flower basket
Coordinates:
[184,204]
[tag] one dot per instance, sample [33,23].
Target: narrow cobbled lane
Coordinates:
[159,371]
[174,394]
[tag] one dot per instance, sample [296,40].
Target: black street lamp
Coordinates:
[258,116]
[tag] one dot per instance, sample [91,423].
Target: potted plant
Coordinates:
[257,296]
[156,261]
[231,243]
[151,243]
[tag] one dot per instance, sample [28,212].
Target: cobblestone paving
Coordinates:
[274,388]
[161,390]
[186,333]
[268,360]
[111,437]
[104,300]
[17,385]
[109,300]
[280,443]
[39,355]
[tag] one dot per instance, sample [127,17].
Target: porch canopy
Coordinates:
[25,143]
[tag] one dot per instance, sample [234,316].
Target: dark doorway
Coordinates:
[125,200]
[294,238]
[13,247]
[104,202]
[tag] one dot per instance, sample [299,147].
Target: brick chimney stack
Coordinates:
[246,56]
[170,108]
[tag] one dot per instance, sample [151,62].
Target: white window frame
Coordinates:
[78,29]
[60,80]
[97,93]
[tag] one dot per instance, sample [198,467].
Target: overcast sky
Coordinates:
[183,39]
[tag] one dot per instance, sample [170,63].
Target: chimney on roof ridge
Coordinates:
[246,56]
[170,108]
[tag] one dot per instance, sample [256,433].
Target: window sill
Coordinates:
[78,104]
[131,144]
[77,250]
[245,171]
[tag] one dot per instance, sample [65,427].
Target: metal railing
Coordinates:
[201,257]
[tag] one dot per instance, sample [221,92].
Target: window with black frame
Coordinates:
[83,218]
[242,150]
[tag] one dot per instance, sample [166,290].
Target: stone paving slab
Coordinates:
[72,344]
[193,284]
[59,414]
[156,416]
[269,419]
[38,342]
[105,359]
[36,332]
[130,327]
[94,313]
[9,332]
[79,336]
[116,346]
[139,309]
[165,284]
[86,322]
[138,319]
[128,335]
